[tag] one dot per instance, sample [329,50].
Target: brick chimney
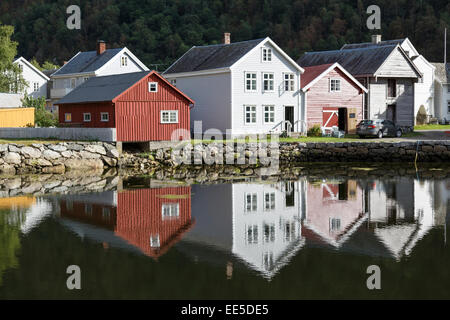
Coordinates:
[376,38]
[101,47]
[226,38]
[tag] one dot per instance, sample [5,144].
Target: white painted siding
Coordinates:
[424,91]
[31,77]
[397,66]
[114,66]
[252,62]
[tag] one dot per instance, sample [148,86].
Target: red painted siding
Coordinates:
[94,109]
[320,97]
[138,112]
[79,211]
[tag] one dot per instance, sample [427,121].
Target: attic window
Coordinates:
[335,85]
[153,87]
[124,61]
[266,54]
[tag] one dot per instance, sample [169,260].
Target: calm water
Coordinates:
[309,238]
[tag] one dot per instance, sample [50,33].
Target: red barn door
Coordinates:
[330,117]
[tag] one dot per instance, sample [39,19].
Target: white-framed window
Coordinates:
[154,241]
[289,231]
[123,61]
[269,232]
[269,200]
[73,83]
[251,202]
[269,114]
[35,86]
[335,85]
[88,209]
[250,82]
[266,54]
[289,81]
[67,117]
[86,117]
[335,224]
[170,210]
[268,260]
[250,114]
[268,81]
[448,107]
[106,213]
[173,82]
[153,87]
[252,234]
[104,116]
[20,67]
[169,116]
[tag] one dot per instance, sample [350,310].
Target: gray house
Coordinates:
[387,72]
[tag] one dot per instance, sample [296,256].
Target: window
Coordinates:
[173,82]
[252,234]
[268,260]
[269,114]
[36,86]
[289,194]
[106,213]
[169,116]
[154,241]
[266,54]
[392,88]
[269,232]
[104,116]
[153,87]
[124,61]
[251,202]
[170,210]
[20,67]
[73,83]
[86,117]
[269,201]
[88,209]
[335,85]
[289,84]
[448,107]
[289,231]
[85,79]
[250,114]
[67,117]
[268,81]
[250,81]
[335,224]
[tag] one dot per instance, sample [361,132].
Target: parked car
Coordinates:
[378,128]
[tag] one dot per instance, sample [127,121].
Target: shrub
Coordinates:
[421,117]
[314,131]
[42,117]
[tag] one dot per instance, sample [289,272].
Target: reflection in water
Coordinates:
[261,226]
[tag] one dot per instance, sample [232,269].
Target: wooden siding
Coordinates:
[139,216]
[16,117]
[79,211]
[320,98]
[397,66]
[138,112]
[94,109]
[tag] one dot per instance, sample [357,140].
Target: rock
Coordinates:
[3,147]
[113,153]
[60,168]
[75,147]
[109,161]
[67,154]
[80,164]
[89,155]
[43,163]
[31,152]
[95,149]
[12,158]
[57,147]
[50,155]
[14,148]
[13,183]
[32,187]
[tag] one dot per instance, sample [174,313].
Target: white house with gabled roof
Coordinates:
[35,79]
[247,87]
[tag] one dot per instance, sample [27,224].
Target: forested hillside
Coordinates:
[159,31]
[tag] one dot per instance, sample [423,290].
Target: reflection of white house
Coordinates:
[258,223]
[37,213]
[36,80]
[442,91]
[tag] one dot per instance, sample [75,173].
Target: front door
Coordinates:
[289,116]
[342,119]
[390,113]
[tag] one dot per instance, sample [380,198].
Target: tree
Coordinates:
[11,79]
[42,117]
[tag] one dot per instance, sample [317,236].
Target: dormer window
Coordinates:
[153,87]
[124,61]
[266,54]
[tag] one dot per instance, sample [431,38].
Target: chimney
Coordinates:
[64,62]
[101,47]
[226,38]
[376,38]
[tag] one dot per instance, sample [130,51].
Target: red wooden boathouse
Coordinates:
[142,106]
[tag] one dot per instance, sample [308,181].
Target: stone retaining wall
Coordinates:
[57,157]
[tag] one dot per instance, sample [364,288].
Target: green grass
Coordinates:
[29,141]
[432,126]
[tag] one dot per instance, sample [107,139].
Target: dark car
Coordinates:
[378,128]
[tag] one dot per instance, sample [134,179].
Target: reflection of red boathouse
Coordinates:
[149,219]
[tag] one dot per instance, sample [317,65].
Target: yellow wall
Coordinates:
[16,117]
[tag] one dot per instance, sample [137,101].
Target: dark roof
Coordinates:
[87,61]
[212,56]
[363,61]
[106,88]
[370,44]
[442,73]
[48,73]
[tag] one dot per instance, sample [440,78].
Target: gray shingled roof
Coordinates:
[212,57]
[362,61]
[99,89]
[370,44]
[87,61]
[441,73]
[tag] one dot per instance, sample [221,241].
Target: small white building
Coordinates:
[247,87]
[442,91]
[35,79]
[82,66]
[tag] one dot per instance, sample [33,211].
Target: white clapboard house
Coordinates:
[246,87]
[36,80]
